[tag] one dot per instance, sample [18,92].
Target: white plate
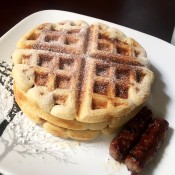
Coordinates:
[44,154]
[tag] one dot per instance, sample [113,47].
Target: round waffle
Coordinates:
[67,128]
[80,77]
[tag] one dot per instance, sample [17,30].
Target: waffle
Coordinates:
[59,127]
[73,134]
[109,43]
[39,116]
[115,90]
[80,76]
[67,37]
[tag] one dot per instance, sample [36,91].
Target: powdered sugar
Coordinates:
[25,137]
[28,139]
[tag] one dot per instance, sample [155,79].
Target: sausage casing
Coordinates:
[148,145]
[130,134]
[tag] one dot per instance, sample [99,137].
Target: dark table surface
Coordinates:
[154,17]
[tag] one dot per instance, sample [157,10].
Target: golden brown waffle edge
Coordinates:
[80,76]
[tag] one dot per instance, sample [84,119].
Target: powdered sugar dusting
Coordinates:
[113,166]
[25,137]
[30,140]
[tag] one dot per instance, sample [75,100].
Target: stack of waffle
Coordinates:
[80,80]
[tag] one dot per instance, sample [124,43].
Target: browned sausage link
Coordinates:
[130,134]
[147,146]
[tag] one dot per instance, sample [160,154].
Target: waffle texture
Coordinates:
[80,77]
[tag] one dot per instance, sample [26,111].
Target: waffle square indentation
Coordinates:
[121,91]
[139,76]
[44,60]
[104,46]
[66,64]
[102,70]
[51,38]
[62,82]
[98,104]
[41,79]
[100,88]
[70,40]
[122,74]
[60,99]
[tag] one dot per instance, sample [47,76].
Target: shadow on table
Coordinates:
[158,100]
[158,104]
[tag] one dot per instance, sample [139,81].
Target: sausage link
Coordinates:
[148,145]
[131,133]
